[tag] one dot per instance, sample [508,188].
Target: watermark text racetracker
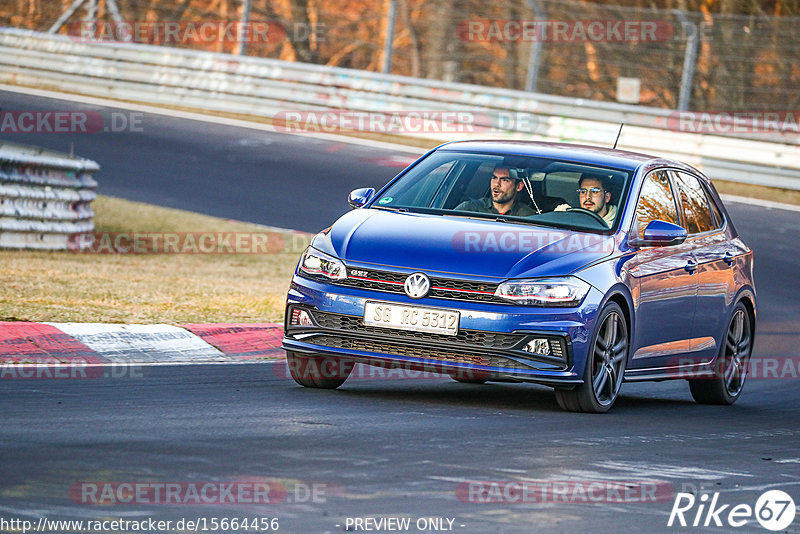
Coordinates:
[564,491]
[530,240]
[758,368]
[69,121]
[21,368]
[235,492]
[754,122]
[394,370]
[565,31]
[194,32]
[266,242]
[405,122]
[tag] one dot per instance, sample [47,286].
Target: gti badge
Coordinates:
[417,285]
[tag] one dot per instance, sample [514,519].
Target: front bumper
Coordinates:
[489,343]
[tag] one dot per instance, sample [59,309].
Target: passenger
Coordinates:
[505,198]
[594,196]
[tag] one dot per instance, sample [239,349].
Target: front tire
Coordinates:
[730,368]
[469,376]
[318,371]
[478,381]
[605,366]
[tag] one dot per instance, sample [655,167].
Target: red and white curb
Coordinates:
[62,343]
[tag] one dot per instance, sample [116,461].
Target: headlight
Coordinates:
[559,292]
[316,262]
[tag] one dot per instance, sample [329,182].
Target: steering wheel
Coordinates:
[591,213]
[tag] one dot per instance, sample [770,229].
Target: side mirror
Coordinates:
[359,197]
[661,234]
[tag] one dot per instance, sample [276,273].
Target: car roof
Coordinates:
[578,153]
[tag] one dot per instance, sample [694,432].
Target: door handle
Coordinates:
[728,258]
[691,266]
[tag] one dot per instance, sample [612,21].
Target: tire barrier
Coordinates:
[45,197]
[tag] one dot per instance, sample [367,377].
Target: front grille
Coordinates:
[416,351]
[443,288]
[475,347]
[479,338]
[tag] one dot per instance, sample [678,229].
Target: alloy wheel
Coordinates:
[608,363]
[737,351]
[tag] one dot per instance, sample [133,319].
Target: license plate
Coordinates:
[415,318]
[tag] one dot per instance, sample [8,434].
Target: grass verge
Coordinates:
[173,288]
[169,288]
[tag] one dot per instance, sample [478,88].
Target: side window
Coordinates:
[420,190]
[694,203]
[718,220]
[656,201]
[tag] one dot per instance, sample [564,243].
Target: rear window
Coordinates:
[694,202]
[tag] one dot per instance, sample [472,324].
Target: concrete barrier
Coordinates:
[269,88]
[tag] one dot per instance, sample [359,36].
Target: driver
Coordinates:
[594,196]
[505,198]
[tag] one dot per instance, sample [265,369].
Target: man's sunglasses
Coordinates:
[593,191]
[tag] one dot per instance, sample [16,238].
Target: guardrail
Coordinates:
[267,88]
[45,198]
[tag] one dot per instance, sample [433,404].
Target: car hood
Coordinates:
[457,245]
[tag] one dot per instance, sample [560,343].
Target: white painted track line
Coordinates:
[137,343]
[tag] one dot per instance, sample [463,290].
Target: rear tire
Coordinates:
[605,366]
[730,367]
[321,372]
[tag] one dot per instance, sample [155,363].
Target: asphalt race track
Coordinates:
[380,448]
[267,178]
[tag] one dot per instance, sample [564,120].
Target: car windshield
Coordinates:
[519,189]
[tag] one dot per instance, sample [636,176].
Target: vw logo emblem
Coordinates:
[417,285]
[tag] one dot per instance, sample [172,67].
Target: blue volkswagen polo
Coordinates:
[571,266]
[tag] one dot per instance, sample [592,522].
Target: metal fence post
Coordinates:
[91,12]
[241,46]
[65,16]
[689,60]
[388,44]
[91,16]
[536,50]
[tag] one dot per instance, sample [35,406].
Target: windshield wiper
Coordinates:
[492,217]
[387,208]
[516,221]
